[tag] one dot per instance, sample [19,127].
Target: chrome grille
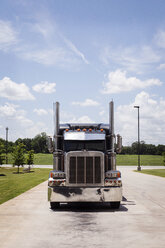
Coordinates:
[85,170]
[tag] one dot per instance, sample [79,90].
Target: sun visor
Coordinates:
[83,136]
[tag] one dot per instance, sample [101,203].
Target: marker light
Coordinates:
[101,130]
[118,174]
[55,182]
[66,130]
[113,182]
[90,130]
[78,129]
[84,129]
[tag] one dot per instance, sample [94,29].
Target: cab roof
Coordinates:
[73,126]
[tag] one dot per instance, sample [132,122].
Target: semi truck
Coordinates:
[84,162]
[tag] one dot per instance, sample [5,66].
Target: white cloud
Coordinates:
[20,126]
[67,117]
[8,110]
[48,57]
[26,130]
[54,48]
[82,119]
[160,39]
[8,36]
[152,120]
[50,32]
[75,50]
[137,59]
[13,91]
[119,82]
[40,111]
[44,27]
[33,130]
[45,87]
[24,121]
[161,67]
[102,112]
[87,102]
[12,112]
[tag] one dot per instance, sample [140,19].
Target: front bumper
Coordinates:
[90,194]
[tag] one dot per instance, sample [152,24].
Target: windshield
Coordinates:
[89,145]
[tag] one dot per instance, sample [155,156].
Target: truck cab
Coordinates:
[84,163]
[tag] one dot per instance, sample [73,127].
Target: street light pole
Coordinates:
[138,168]
[7,129]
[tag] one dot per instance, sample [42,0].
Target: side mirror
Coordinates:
[50,144]
[119,144]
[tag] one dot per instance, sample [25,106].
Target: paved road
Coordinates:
[28,222]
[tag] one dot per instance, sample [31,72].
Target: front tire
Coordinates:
[54,205]
[115,205]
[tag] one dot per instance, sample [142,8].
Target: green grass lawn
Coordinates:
[12,185]
[155,172]
[47,159]
[39,158]
[144,160]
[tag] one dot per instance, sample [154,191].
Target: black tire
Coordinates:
[54,205]
[115,205]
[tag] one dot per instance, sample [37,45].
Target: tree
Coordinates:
[160,149]
[39,143]
[134,147]
[151,149]
[126,150]
[30,158]
[18,155]
[148,149]
[28,143]
[2,150]
[10,144]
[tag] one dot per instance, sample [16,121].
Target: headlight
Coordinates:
[57,174]
[113,174]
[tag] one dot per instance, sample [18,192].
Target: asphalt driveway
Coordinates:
[27,221]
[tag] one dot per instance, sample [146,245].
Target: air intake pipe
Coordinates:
[112,136]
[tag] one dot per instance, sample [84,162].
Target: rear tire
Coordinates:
[115,205]
[54,205]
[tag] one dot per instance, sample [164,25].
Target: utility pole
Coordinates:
[7,129]
[138,168]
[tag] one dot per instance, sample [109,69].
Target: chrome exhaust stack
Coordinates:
[56,136]
[112,136]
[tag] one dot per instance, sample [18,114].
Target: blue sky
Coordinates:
[82,54]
